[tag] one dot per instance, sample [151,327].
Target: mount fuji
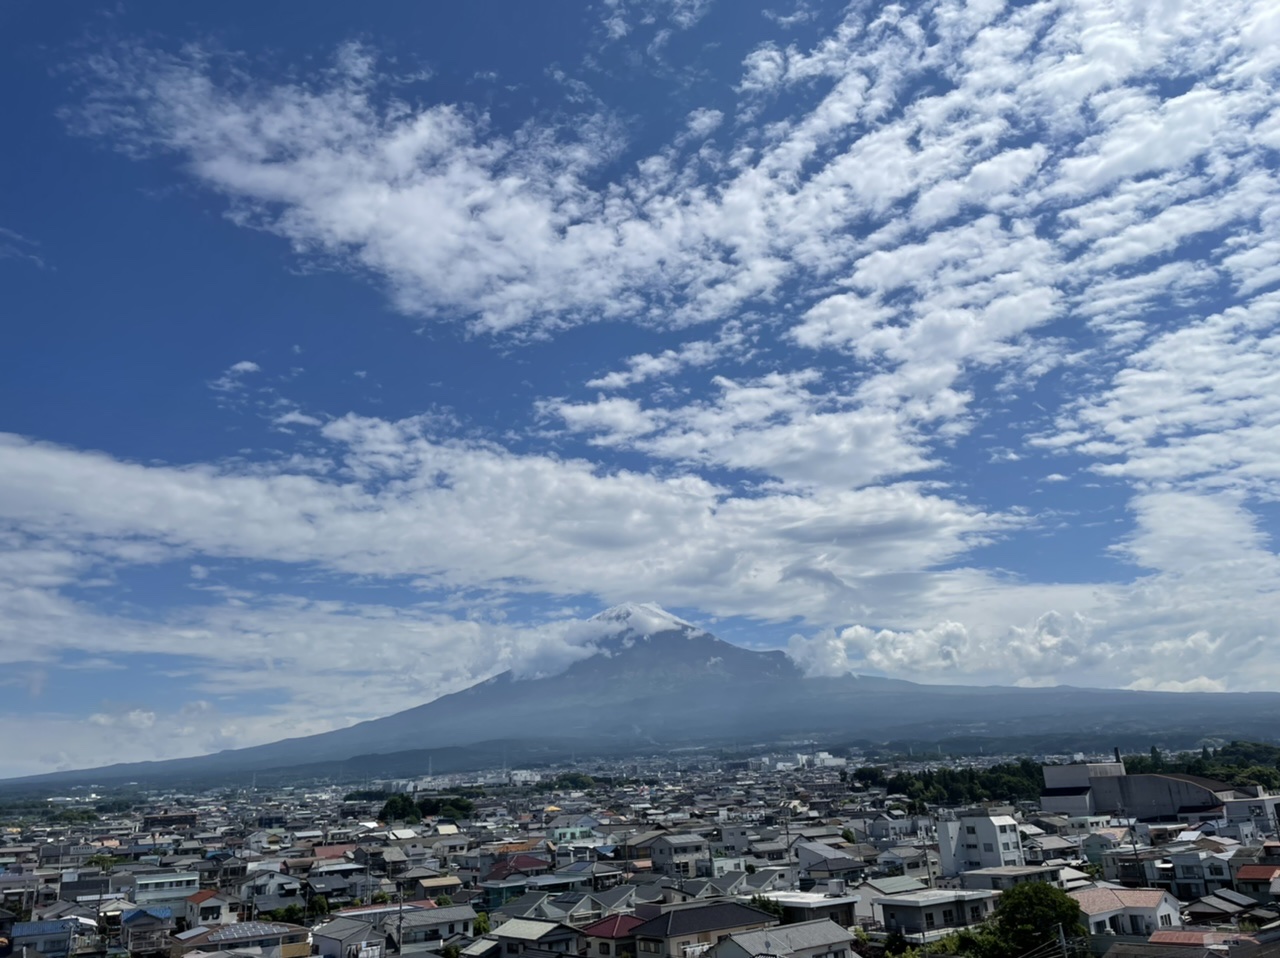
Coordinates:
[649,681]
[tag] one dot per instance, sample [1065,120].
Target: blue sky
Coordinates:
[353,357]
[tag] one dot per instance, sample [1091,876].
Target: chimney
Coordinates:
[1117,751]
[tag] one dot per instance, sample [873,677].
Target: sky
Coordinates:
[353,355]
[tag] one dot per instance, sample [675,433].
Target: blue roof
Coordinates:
[155,911]
[27,929]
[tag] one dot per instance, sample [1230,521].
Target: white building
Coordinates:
[979,841]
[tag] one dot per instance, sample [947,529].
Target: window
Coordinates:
[604,948]
[988,847]
[948,916]
[1166,921]
[928,919]
[970,830]
[975,913]
[513,948]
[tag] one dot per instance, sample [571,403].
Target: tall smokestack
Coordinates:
[1117,751]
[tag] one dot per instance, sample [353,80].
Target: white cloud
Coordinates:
[976,222]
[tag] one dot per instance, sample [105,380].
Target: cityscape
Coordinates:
[798,852]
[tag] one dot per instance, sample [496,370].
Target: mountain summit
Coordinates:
[644,640]
[656,681]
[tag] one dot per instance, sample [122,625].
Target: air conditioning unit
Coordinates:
[835,887]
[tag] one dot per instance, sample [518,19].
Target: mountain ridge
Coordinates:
[654,679]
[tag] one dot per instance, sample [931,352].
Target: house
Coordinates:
[1043,848]
[1256,881]
[921,863]
[809,939]
[1004,877]
[164,888]
[678,855]
[51,939]
[348,938]
[871,890]
[523,935]
[1127,911]
[146,931]
[803,906]
[412,926]
[211,907]
[276,938]
[925,916]
[612,937]
[1198,872]
[1223,905]
[821,862]
[689,929]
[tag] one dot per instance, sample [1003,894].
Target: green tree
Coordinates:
[481,925]
[895,943]
[1257,775]
[869,776]
[767,904]
[399,808]
[1027,917]
[381,898]
[444,901]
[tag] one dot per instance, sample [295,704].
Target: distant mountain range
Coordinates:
[658,682]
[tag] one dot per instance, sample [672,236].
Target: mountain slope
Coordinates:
[654,679]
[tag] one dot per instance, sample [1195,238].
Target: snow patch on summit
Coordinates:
[645,619]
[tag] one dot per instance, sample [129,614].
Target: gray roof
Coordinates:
[712,916]
[433,916]
[791,938]
[895,885]
[344,929]
[526,929]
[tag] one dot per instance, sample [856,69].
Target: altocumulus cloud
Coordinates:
[856,268]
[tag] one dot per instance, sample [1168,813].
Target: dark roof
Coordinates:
[1065,791]
[344,929]
[614,926]
[1212,784]
[709,917]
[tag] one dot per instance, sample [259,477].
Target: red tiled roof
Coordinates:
[200,896]
[614,926]
[332,851]
[1098,901]
[1196,939]
[1258,872]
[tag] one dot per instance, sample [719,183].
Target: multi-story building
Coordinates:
[165,887]
[978,840]
[678,855]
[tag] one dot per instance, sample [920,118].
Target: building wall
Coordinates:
[978,842]
[1148,796]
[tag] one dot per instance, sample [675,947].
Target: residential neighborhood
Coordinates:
[794,855]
